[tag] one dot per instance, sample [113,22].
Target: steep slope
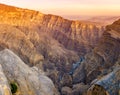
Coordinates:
[74,35]
[29,81]
[105,54]
[14,39]
[36,49]
[55,43]
[103,60]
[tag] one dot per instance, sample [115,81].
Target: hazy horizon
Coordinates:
[73,9]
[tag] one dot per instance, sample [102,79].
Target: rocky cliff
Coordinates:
[19,79]
[41,38]
[53,44]
[103,60]
[74,35]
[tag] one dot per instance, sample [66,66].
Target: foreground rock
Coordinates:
[29,81]
[102,61]
[108,85]
[4,85]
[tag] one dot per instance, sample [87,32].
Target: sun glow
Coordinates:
[70,7]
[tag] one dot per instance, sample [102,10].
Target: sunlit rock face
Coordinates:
[29,80]
[74,35]
[49,40]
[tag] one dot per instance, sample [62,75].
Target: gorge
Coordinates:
[54,46]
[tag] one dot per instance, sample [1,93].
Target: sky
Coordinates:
[70,8]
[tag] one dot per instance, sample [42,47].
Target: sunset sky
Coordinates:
[70,7]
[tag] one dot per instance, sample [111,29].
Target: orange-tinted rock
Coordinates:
[74,35]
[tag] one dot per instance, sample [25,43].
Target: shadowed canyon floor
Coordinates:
[77,55]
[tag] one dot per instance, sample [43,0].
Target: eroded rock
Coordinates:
[107,85]
[30,81]
[4,84]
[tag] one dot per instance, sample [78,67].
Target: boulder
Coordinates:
[29,81]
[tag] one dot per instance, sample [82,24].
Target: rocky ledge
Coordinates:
[19,79]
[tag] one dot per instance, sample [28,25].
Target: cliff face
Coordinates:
[74,35]
[49,39]
[54,44]
[105,54]
[14,39]
[103,60]
[34,48]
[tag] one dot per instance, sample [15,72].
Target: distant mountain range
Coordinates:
[105,20]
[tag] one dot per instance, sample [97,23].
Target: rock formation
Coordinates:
[4,85]
[103,60]
[29,81]
[74,35]
[110,84]
[47,41]
[53,44]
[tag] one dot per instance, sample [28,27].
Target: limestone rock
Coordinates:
[15,40]
[30,81]
[4,85]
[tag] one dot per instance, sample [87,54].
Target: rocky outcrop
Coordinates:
[4,85]
[15,40]
[34,49]
[29,81]
[104,56]
[102,61]
[109,84]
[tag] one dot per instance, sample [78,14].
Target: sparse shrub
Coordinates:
[13,87]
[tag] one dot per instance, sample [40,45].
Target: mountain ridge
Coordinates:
[57,46]
[71,30]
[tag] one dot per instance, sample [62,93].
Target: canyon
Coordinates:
[49,37]
[78,56]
